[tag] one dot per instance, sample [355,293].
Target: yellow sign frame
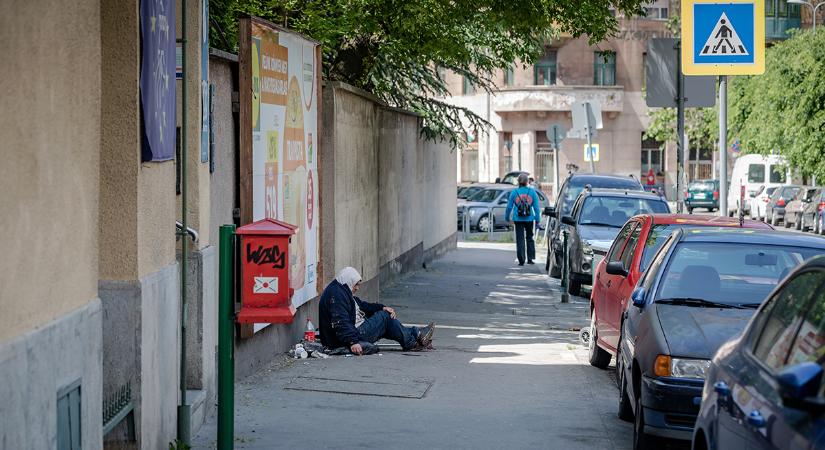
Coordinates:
[755,68]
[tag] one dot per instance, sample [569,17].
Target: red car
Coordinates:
[616,275]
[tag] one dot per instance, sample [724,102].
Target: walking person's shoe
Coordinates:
[425,335]
[530,261]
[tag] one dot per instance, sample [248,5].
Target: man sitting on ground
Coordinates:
[347,321]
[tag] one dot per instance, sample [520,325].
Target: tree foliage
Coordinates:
[783,110]
[395,48]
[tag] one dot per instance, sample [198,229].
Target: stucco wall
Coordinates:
[387,196]
[50,134]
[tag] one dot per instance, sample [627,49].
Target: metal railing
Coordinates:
[482,211]
[118,406]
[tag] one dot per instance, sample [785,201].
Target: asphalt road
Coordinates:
[508,372]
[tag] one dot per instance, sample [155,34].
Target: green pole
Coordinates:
[226,338]
[565,281]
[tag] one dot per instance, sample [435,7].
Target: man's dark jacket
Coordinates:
[337,315]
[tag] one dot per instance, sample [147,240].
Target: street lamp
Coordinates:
[810,5]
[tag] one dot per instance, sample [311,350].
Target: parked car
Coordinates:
[796,207]
[597,216]
[765,389]
[699,291]
[490,199]
[511,177]
[702,194]
[623,266]
[467,191]
[568,193]
[759,201]
[753,171]
[817,208]
[775,209]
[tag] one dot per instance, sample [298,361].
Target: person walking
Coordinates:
[524,202]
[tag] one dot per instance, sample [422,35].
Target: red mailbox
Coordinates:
[265,293]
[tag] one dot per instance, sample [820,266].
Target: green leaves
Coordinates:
[783,111]
[393,48]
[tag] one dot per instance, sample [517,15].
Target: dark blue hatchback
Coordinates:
[765,388]
[700,290]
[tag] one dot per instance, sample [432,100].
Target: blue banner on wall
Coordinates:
[157,79]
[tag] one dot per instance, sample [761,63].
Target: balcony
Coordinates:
[556,98]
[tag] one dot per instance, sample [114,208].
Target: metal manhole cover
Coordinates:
[403,389]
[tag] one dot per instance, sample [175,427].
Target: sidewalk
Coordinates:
[507,372]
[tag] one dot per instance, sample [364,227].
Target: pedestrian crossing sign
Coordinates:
[723,37]
[592,154]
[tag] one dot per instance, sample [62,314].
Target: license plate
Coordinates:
[699,195]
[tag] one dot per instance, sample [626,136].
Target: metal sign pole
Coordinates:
[226,336]
[589,137]
[723,143]
[680,133]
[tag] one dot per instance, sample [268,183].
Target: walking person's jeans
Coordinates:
[381,325]
[524,231]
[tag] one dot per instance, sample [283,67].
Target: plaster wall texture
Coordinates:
[50,134]
[35,365]
[223,183]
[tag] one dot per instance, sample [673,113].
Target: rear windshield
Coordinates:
[702,185]
[731,273]
[485,196]
[614,211]
[788,192]
[756,173]
[575,186]
[777,173]
[770,191]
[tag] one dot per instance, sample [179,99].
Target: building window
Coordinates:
[467,87]
[700,164]
[656,13]
[508,76]
[544,168]
[469,157]
[652,158]
[604,68]
[505,153]
[544,73]
[68,417]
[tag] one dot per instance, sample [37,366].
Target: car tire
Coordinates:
[785,222]
[597,356]
[574,287]
[483,224]
[642,440]
[625,408]
[555,269]
[774,220]
[798,222]
[690,210]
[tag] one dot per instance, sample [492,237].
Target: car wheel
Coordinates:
[573,287]
[774,220]
[555,267]
[785,222]
[642,440]
[798,222]
[690,210]
[597,356]
[484,223]
[625,409]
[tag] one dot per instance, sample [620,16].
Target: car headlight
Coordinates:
[689,368]
[587,250]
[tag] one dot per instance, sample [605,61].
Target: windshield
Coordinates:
[469,192]
[485,196]
[614,211]
[787,192]
[576,185]
[729,273]
[756,173]
[770,191]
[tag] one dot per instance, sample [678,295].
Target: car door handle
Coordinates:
[608,282]
[756,419]
[721,388]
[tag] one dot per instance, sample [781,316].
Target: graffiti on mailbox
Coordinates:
[266,255]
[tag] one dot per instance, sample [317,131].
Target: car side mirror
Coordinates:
[498,180]
[616,268]
[638,297]
[798,386]
[568,220]
[549,210]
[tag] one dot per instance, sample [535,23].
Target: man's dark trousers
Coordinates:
[381,325]
[525,228]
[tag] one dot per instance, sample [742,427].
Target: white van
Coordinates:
[754,171]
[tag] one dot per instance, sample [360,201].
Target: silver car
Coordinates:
[492,200]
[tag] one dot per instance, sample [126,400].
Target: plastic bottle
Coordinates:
[309,334]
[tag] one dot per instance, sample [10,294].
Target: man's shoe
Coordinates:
[425,335]
[530,261]
[521,263]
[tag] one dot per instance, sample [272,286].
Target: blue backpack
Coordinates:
[524,203]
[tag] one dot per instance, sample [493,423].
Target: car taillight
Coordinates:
[780,202]
[820,206]
[716,195]
[687,194]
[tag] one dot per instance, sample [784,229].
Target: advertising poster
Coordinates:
[284,131]
[157,82]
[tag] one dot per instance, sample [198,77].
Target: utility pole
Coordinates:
[680,132]
[723,144]
[589,137]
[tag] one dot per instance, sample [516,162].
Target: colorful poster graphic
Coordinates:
[284,121]
[157,79]
[204,41]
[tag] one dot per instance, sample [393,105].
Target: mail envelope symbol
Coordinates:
[265,285]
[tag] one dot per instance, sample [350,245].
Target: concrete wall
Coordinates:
[50,325]
[387,196]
